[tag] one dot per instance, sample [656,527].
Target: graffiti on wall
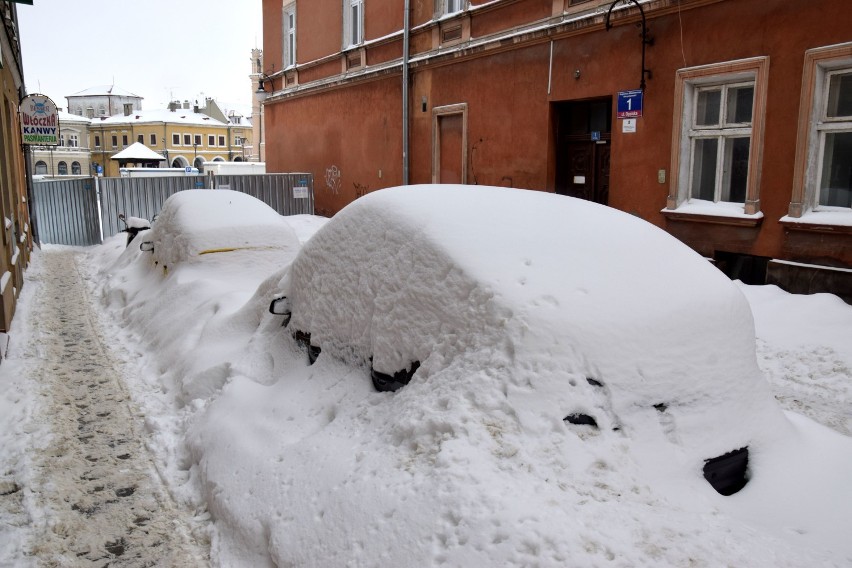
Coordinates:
[361,190]
[332,179]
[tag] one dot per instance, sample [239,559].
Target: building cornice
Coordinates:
[543,31]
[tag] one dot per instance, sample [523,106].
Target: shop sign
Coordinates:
[39,121]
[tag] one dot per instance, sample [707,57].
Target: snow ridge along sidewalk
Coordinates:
[96,496]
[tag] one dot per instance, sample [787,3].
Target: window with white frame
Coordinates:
[822,178]
[720,139]
[353,22]
[75,168]
[719,117]
[290,36]
[834,133]
[211,139]
[196,139]
[97,141]
[221,140]
[153,140]
[452,6]
[73,141]
[187,140]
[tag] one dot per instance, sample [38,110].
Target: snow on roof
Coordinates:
[182,116]
[104,90]
[137,151]
[68,117]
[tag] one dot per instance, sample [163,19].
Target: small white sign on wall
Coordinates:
[628,125]
[301,192]
[579,180]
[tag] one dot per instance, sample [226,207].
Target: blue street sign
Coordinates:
[596,135]
[629,104]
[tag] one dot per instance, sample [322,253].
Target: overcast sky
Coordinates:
[157,49]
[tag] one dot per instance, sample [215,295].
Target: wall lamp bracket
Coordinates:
[262,82]
[646,37]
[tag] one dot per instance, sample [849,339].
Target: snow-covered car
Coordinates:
[198,222]
[572,311]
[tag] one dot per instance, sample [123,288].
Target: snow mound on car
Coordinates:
[197,222]
[522,307]
[570,289]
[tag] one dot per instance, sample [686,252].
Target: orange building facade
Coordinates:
[739,144]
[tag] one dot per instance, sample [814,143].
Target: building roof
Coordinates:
[68,117]
[103,90]
[179,116]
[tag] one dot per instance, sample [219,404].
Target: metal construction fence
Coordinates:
[66,212]
[82,212]
[289,194]
[138,197]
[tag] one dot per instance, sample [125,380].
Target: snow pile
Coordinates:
[197,222]
[137,223]
[805,349]
[431,273]
[471,463]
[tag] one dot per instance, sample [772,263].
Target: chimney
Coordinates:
[186,104]
[174,105]
[90,112]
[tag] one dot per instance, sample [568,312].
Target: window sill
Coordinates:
[833,222]
[715,213]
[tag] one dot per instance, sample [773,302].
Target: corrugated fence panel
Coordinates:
[288,194]
[67,212]
[139,197]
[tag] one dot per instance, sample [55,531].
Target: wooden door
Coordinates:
[450,166]
[583,149]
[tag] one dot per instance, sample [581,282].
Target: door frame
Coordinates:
[562,140]
[437,114]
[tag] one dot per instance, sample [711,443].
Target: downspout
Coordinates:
[406,37]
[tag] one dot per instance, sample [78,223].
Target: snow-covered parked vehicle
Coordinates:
[193,224]
[575,313]
[133,226]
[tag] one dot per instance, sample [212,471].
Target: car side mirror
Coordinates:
[281,307]
[147,246]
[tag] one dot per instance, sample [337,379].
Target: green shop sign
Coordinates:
[39,121]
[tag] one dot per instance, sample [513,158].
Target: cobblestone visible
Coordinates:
[96,486]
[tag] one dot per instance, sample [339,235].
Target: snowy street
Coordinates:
[93,482]
[153,412]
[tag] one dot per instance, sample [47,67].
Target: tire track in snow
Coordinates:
[96,485]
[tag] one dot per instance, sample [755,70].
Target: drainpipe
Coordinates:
[405,45]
